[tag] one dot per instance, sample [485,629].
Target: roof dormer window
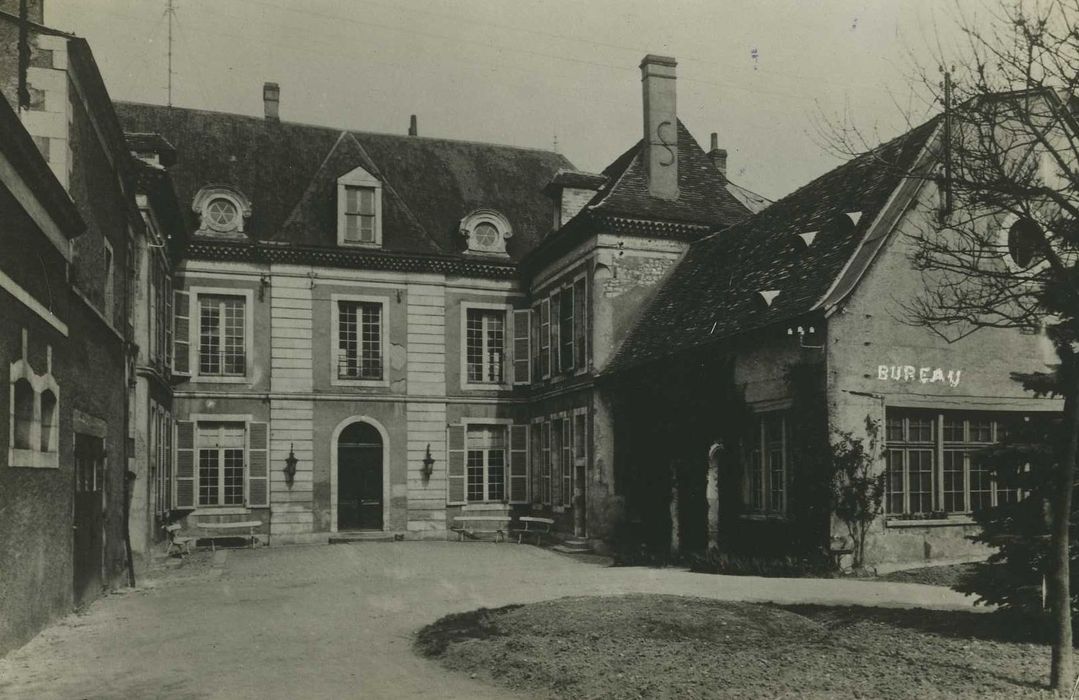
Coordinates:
[222,211]
[359,209]
[486,231]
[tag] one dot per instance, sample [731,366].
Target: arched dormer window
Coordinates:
[486,232]
[222,211]
[359,209]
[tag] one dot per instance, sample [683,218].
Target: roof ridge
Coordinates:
[326,127]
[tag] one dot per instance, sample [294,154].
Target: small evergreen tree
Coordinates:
[857,487]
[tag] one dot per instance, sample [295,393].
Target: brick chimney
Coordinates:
[412,129]
[35,9]
[660,126]
[718,155]
[271,100]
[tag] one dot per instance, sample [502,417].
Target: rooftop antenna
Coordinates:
[171,13]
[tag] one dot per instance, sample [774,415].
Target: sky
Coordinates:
[766,75]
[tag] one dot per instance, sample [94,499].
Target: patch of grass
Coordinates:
[947,576]
[657,646]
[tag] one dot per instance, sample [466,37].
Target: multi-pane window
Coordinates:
[485,339]
[222,336]
[486,463]
[767,465]
[359,214]
[935,464]
[221,464]
[359,340]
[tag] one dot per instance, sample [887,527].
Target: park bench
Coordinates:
[529,525]
[216,530]
[474,525]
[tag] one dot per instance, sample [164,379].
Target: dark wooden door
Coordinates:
[359,478]
[89,522]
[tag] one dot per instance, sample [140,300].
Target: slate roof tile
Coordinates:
[713,293]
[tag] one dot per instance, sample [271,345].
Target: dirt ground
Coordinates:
[340,620]
[655,646]
[934,575]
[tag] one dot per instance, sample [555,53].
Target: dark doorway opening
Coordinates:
[89,517]
[359,478]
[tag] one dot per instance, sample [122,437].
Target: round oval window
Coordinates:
[486,235]
[221,214]
[1024,239]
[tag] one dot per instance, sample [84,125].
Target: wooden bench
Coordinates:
[473,525]
[235,528]
[529,525]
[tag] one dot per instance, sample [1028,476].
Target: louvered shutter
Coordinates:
[556,333]
[537,462]
[555,456]
[258,465]
[181,333]
[545,338]
[580,322]
[455,470]
[522,320]
[567,461]
[166,351]
[185,464]
[518,464]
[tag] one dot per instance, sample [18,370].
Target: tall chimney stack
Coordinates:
[271,100]
[412,130]
[660,126]
[718,155]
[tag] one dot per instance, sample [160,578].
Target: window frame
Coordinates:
[335,339]
[195,333]
[34,456]
[197,419]
[358,178]
[507,332]
[757,468]
[506,425]
[108,299]
[940,446]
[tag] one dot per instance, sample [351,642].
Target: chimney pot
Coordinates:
[412,130]
[660,125]
[715,141]
[271,100]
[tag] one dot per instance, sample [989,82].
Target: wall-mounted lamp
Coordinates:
[290,465]
[428,463]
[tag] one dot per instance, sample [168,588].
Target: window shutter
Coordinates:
[545,445]
[181,334]
[535,342]
[455,471]
[522,321]
[555,456]
[258,465]
[580,322]
[518,464]
[567,462]
[537,462]
[185,464]
[166,352]
[556,335]
[545,338]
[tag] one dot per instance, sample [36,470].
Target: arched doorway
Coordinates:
[359,478]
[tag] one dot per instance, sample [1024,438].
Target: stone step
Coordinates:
[375,536]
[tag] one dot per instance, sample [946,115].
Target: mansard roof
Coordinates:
[769,269]
[289,172]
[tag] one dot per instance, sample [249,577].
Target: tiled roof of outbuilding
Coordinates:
[715,291]
[289,173]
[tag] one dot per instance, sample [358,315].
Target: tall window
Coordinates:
[485,339]
[221,464]
[935,464]
[359,341]
[767,465]
[359,214]
[545,338]
[486,463]
[110,281]
[222,336]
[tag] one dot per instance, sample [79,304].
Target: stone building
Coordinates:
[774,335]
[374,332]
[69,223]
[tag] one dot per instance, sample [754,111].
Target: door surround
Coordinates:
[334,437]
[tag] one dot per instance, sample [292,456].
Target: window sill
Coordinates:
[472,386]
[936,522]
[33,459]
[763,516]
[377,245]
[219,380]
[220,510]
[343,381]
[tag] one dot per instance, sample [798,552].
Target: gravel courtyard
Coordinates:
[338,621]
